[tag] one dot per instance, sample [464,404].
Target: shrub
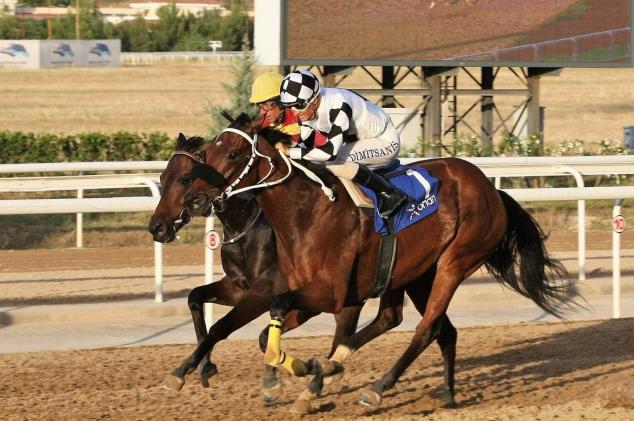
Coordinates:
[19,147]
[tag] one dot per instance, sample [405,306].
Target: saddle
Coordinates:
[358,196]
[419,185]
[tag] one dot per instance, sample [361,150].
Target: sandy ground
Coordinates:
[526,371]
[581,370]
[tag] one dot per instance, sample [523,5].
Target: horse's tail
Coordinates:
[541,278]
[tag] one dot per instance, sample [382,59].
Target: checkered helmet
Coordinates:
[299,88]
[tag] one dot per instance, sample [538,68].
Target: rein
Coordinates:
[254,152]
[260,184]
[245,231]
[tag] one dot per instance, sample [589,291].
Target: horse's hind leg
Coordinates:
[447,340]
[459,260]
[447,335]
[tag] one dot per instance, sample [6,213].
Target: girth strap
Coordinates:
[387,259]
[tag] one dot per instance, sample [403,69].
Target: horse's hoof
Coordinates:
[300,407]
[370,398]
[173,382]
[271,394]
[451,404]
[448,399]
[206,372]
[324,366]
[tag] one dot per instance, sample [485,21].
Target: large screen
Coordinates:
[550,33]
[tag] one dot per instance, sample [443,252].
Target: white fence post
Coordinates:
[581,223]
[209,273]
[616,259]
[158,247]
[79,221]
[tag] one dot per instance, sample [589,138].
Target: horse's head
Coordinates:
[235,155]
[177,206]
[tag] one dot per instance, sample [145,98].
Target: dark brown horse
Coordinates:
[250,262]
[328,250]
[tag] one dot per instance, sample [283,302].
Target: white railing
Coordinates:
[495,168]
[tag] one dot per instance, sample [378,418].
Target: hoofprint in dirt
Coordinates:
[556,370]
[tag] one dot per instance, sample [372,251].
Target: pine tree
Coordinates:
[243,70]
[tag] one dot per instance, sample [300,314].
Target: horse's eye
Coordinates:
[233,155]
[186,181]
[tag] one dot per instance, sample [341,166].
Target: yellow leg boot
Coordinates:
[272,354]
[275,357]
[295,366]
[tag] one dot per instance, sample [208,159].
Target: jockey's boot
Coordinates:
[390,198]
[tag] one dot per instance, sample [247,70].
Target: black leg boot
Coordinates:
[390,198]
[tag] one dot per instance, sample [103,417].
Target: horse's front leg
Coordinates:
[247,307]
[389,315]
[224,292]
[346,326]
[271,386]
[313,297]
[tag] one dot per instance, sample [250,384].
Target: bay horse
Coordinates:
[327,251]
[252,279]
[249,260]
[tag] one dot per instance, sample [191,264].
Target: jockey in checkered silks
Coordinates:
[346,132]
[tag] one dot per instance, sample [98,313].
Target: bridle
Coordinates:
[216,204]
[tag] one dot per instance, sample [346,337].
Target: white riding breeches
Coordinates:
[373,153]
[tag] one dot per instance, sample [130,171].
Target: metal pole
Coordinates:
[486,110]
[209,274]
[616,262]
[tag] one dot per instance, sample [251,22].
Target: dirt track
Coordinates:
[520,372]
[570,371]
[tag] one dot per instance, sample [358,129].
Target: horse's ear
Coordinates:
[181,141]
[242,121]
[226,115]
[256,125]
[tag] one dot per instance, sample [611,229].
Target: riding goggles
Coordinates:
[300,105]
[268,105]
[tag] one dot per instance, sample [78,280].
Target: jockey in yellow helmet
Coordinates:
[265,93]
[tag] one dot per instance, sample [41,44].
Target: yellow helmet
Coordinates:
[266,87]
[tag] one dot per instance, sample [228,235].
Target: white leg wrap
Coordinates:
[341,354]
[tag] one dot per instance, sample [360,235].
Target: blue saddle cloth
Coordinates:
[419,185]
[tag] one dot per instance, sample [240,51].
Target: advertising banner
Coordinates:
[60,53]
[101,53]
[20,54]
[35,54]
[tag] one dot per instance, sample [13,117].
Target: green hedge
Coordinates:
[19,147]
